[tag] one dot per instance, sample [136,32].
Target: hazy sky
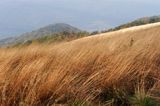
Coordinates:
[19,16]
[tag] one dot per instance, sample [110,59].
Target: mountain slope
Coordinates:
[141,21]
[45,31]
[106,68]
[50,29]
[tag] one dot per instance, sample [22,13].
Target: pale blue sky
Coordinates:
[19,16]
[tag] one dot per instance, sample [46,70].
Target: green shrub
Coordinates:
[141,98]
[80,104]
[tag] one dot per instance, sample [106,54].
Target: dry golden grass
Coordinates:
[87,69]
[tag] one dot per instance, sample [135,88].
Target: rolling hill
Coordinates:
[111,69]
[39,33]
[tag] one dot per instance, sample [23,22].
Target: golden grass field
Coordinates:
[104,69]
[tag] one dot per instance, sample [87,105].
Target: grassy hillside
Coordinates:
[112,69]
[53,38]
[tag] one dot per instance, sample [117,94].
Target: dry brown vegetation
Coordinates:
[107,68]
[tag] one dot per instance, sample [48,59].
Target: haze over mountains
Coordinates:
[41,32]
[19,16]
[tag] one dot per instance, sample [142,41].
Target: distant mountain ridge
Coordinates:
[140,21]
[41,32]
[50,29]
